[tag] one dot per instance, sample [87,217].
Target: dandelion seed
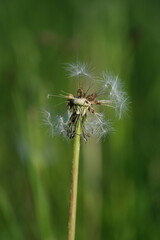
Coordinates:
[48,121]
[78,69]
[117,97]
[81,106]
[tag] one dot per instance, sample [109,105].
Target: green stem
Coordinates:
[74,185]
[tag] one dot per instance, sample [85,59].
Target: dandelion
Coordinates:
[83,121]
[81,106]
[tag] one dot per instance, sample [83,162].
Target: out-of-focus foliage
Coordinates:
[119,181]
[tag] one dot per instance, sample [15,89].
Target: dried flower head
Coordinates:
[81,107]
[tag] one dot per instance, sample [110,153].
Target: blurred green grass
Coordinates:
[119,185]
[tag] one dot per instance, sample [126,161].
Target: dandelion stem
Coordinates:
[74,185]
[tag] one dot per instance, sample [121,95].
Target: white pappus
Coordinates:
[81,106]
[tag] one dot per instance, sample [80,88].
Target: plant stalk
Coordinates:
[74,185]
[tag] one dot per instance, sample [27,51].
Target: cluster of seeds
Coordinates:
[81,106]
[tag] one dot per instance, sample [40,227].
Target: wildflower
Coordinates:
[81,107]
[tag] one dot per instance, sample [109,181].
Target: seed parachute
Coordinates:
[81,106]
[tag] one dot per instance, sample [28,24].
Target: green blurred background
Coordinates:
[119,181]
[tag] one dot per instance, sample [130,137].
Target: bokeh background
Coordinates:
[119,180]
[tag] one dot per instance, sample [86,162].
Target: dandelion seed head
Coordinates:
[80,106]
